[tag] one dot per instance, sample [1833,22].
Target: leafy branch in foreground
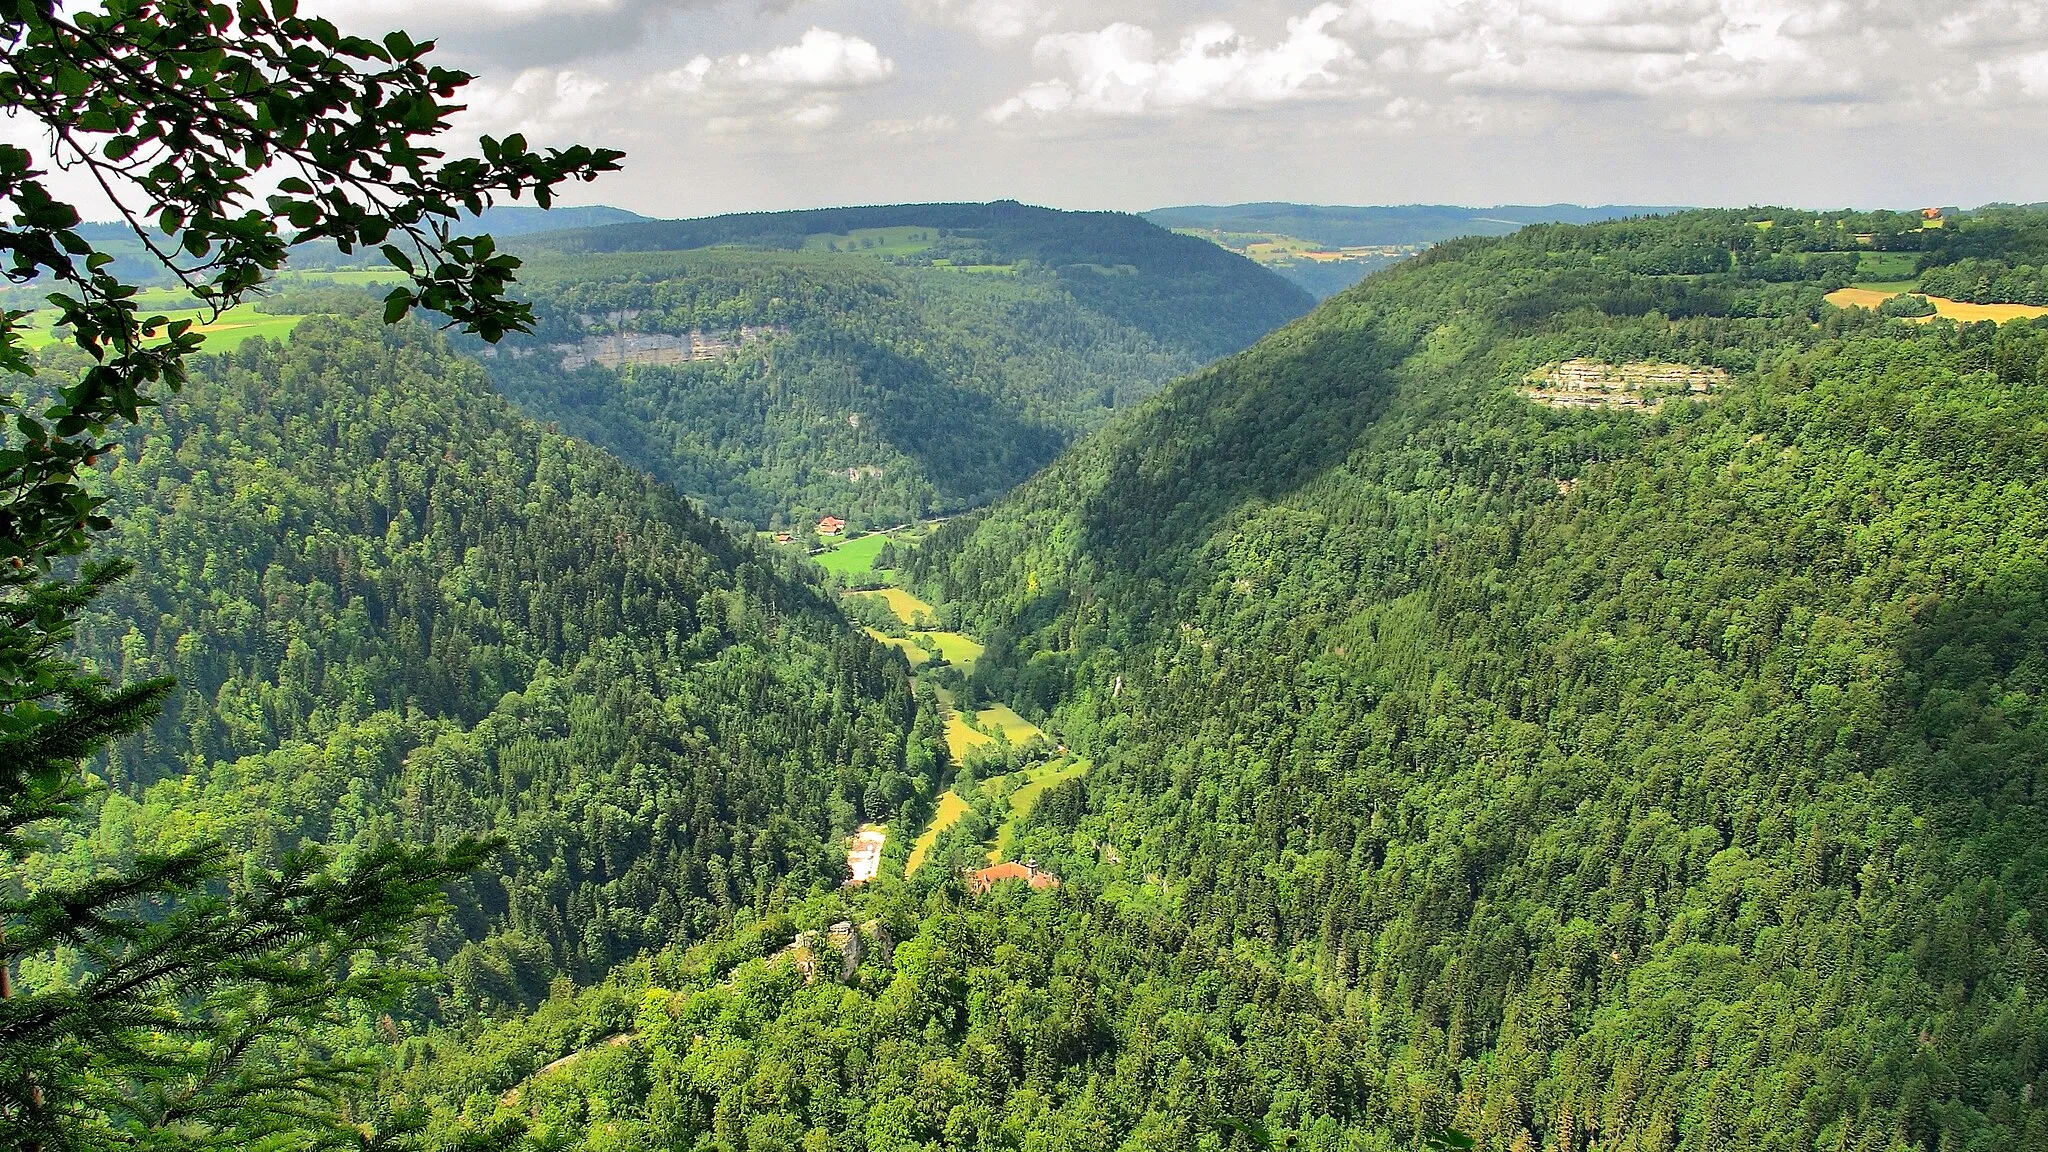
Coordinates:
[180,1016]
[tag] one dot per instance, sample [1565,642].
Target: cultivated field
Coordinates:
[855,557]
[1025,799]
[951,809]
[909,609]
[1947,309]
[911,652]
[1016,729]
[226,334]
[904,241]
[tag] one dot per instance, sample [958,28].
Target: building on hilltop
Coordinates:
[1029,872]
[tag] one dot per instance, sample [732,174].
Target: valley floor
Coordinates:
[969,734]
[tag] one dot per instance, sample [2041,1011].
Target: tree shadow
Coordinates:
[1258,426]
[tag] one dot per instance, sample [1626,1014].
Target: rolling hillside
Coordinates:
[397,609]
[1576,691]
[1326,249]
[878,364]
[1625,674]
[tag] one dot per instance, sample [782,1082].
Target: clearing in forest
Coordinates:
[1955,310]
[962,740]
[864,853]
[1016,729]
[909,609]
[855,557]
[900,240]
[1642,386]
[1025,799]
[959,650]
[235,326]
[911,652]
[951,809]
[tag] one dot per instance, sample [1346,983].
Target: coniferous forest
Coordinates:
[1468,765]
[1576,691]
[396,610]
[887,364]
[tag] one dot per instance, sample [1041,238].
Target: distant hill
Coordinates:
[1591,651]
[522,220]
[1279,235]
[1343,227]
[396,609]
[877,364]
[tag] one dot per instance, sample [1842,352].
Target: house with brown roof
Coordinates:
[1029,872]
[831,526]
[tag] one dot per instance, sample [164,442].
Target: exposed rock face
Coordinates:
[1641,386]
[622,348]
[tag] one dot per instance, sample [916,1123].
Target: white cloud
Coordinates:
[1119,71]
[797,84]
[821,61]
[919,126]
[2031,72]
[545,103]
[995,21]
[362,12]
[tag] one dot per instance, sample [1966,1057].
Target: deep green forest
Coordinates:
[1479,758]
[904,361]
[395,609]
[1667,777]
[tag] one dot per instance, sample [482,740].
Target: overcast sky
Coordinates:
[1136,104]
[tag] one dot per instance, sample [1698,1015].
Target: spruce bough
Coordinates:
[198,986]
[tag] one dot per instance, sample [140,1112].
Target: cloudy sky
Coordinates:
[1135,104]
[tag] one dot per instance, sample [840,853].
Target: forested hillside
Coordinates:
[877,365]
[1328,248]
[1661,768]
[1575,691]
[397,610]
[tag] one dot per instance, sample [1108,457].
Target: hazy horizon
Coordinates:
[1139,104]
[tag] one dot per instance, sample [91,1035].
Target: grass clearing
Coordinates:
[951,809]
[959,651]
[1016,729]
[905,240]
[961,740]
[917,656]
[1947,309]
[353,276]
[855,557]
[1887,266]
[235,326]
[1036,782]
[909,609]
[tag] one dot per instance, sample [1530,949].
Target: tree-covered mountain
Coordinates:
[1343,227]
[1578,690]
[876,364]
[1659,765]
[397,611]
[1328,248]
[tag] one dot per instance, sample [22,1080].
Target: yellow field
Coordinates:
[958,650]
[911,652]
[951,809]
[236,325]
[1025,798]
[960,739]
[907,608]
[1948,309]
[1015,728]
